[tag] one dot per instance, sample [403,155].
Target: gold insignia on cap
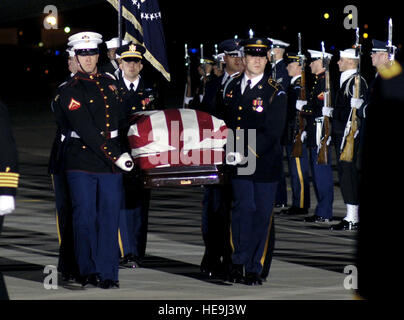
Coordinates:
[258,42]
[86,37]
[132,48]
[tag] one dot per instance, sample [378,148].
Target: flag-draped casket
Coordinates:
[183,145]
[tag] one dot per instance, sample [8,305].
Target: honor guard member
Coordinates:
[383,133]
[9,176]
[94,163]
[217,198]
[67,264]
[205,71]
[344,104]
[278,64]
[136,96]
[298,166]
[314,111]
[280,75]
[112,66]
[256,112]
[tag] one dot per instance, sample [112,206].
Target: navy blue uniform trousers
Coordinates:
[299,178]
[323,183]
[96,200]
[134,217]
[250,221]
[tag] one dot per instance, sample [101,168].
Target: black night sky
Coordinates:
[191,22]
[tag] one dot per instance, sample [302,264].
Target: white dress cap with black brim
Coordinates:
[314,54]
[278,43]
[85,40]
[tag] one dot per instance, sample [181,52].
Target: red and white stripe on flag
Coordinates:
[176,137]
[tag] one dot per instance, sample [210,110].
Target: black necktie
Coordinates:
[131,87]
[247,88]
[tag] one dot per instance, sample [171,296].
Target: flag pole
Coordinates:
[120,22]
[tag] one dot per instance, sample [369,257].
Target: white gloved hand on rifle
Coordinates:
[327,111]
[125,162]
[234,158]
[303,136]
[300,104]
[356,103]
[7,204]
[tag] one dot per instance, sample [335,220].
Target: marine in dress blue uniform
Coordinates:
[313,110]
[255,102]
[94,163]
[136,96]
[217,198]
[112,66]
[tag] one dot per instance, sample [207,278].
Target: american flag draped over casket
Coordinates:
[175,138]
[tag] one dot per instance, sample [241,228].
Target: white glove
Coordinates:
[234,158]
[356,103]
[6,205]
[303,136]
[329,140]
[327,111]
[125,162]
[300,104]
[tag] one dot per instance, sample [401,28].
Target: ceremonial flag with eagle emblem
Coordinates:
[144,26]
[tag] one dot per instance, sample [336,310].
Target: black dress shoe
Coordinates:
[345,225]
[316,219]
[91,279]
[252,279]
[294,211]
[130,261]
[236,274]
[108,284]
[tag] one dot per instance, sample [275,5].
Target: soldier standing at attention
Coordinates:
[256,112]
[314,111]
[343,111]
[9,176]
[94,160]
[136,96]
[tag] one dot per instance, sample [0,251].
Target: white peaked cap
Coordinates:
[85,40]
[319,54]
[279,43]
[70,51]
[348,53]
[114,43]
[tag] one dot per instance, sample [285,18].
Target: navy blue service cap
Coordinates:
[256,46]
[230,47]
[131,52]
[379,46]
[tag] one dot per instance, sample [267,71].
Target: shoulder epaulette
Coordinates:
[274,84]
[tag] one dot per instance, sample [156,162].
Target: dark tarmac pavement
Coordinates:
[308,263]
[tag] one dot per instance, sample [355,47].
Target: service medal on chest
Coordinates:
[257,105]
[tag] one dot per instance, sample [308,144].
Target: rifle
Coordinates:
[390,47]
[203,63]
[187,91]
[323,148]
[348,149]
[273,63]
[300,120]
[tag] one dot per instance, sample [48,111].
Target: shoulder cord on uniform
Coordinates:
[348,90]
